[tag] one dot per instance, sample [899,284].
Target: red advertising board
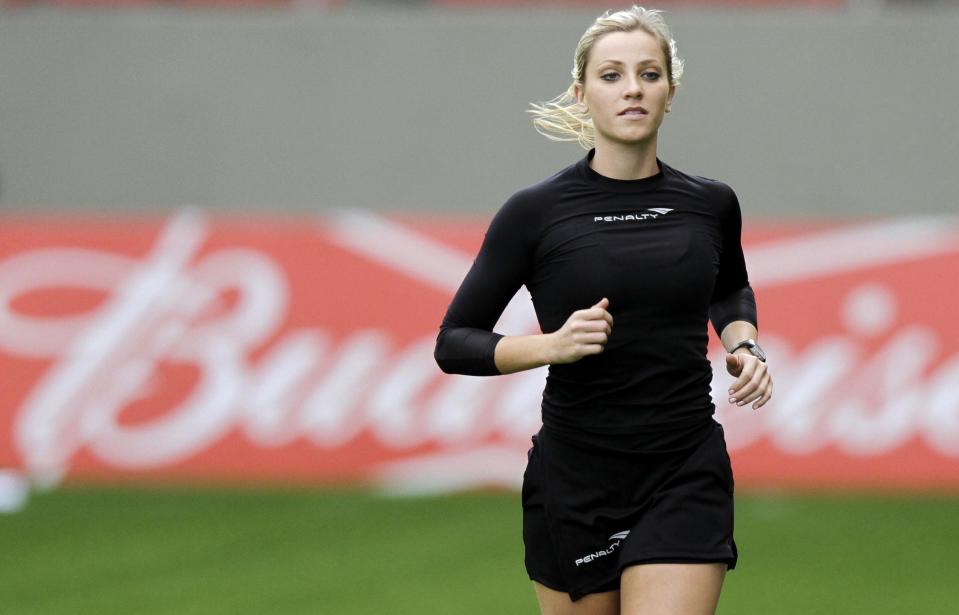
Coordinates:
[206,4]
[605,4]
[266,350]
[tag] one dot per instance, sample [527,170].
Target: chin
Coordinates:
[633,139]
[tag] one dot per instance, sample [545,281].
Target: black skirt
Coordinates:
[589,512]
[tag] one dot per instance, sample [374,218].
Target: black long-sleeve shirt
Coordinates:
[665,250]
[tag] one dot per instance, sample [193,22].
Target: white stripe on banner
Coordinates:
[420,257]
[398,247]
[779,261]
[844,250]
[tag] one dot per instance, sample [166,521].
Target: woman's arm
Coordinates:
[466,341]
[584,333]
[734,315]
[737,331]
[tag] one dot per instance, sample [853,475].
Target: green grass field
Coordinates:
[85,550]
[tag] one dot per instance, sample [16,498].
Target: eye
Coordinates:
[651,75]
[609,76]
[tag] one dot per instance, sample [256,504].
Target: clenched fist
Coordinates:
[584,333]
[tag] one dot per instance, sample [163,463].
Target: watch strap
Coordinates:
[753,347]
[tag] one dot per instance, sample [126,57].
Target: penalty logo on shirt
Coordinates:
[650,214]
[614,541]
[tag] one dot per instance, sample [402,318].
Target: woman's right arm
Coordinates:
[584,333]
[467,344]
[479,352]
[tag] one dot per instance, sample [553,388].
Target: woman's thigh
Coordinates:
[552,602]
[671,589]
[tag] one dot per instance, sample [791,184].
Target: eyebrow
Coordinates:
[618,63]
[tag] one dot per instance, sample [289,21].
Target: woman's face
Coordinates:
[626,88]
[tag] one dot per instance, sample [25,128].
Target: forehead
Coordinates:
[626,47]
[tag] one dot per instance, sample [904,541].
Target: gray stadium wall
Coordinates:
[806,113]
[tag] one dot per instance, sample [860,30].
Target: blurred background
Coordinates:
[229,230]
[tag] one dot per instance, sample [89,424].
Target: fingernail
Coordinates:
[732,400]
[730,391]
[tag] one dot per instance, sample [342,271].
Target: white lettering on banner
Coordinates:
[107,358]
[804,388]
[43,337]
[165,308]
[520,392]
[942,417]
[879,416]
[331,415]
[394,406]
[279,384]
[830,394]
[455,413]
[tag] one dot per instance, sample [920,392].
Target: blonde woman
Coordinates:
[628,491]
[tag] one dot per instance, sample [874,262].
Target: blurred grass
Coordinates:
[96,550]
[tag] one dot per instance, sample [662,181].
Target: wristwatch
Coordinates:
[754,349]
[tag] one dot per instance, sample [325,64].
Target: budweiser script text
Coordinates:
[308,387]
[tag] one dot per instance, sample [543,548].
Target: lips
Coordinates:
[634,112]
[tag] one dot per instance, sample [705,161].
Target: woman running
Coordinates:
[628,491]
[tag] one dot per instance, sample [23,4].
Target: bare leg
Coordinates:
[552,602]
[671,589]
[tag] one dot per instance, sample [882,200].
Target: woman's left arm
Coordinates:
[734,315]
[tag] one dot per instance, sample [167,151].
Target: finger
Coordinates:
[766,396]
[591,325]
[758,392]
[608,318]
[756,395]
[603,305]
[741,392]
[595,313]
[577,330]
[590,338]
[759,372]
[745,396]
[752,389]
[744,377]
[592,349]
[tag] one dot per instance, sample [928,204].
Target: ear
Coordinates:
[580,94]
[669,99]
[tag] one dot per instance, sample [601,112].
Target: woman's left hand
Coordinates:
[753,382]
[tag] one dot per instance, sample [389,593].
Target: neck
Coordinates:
[621,161]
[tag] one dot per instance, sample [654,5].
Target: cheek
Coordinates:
[598,100]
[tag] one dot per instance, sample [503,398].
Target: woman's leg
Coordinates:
[671,589]
[552,602]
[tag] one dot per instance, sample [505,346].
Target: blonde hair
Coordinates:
[564,118]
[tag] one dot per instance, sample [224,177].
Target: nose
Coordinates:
[634,88]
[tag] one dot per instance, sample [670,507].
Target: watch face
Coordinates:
[757,351]
[754,349]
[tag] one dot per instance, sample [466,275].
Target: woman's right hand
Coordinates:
[584,333]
